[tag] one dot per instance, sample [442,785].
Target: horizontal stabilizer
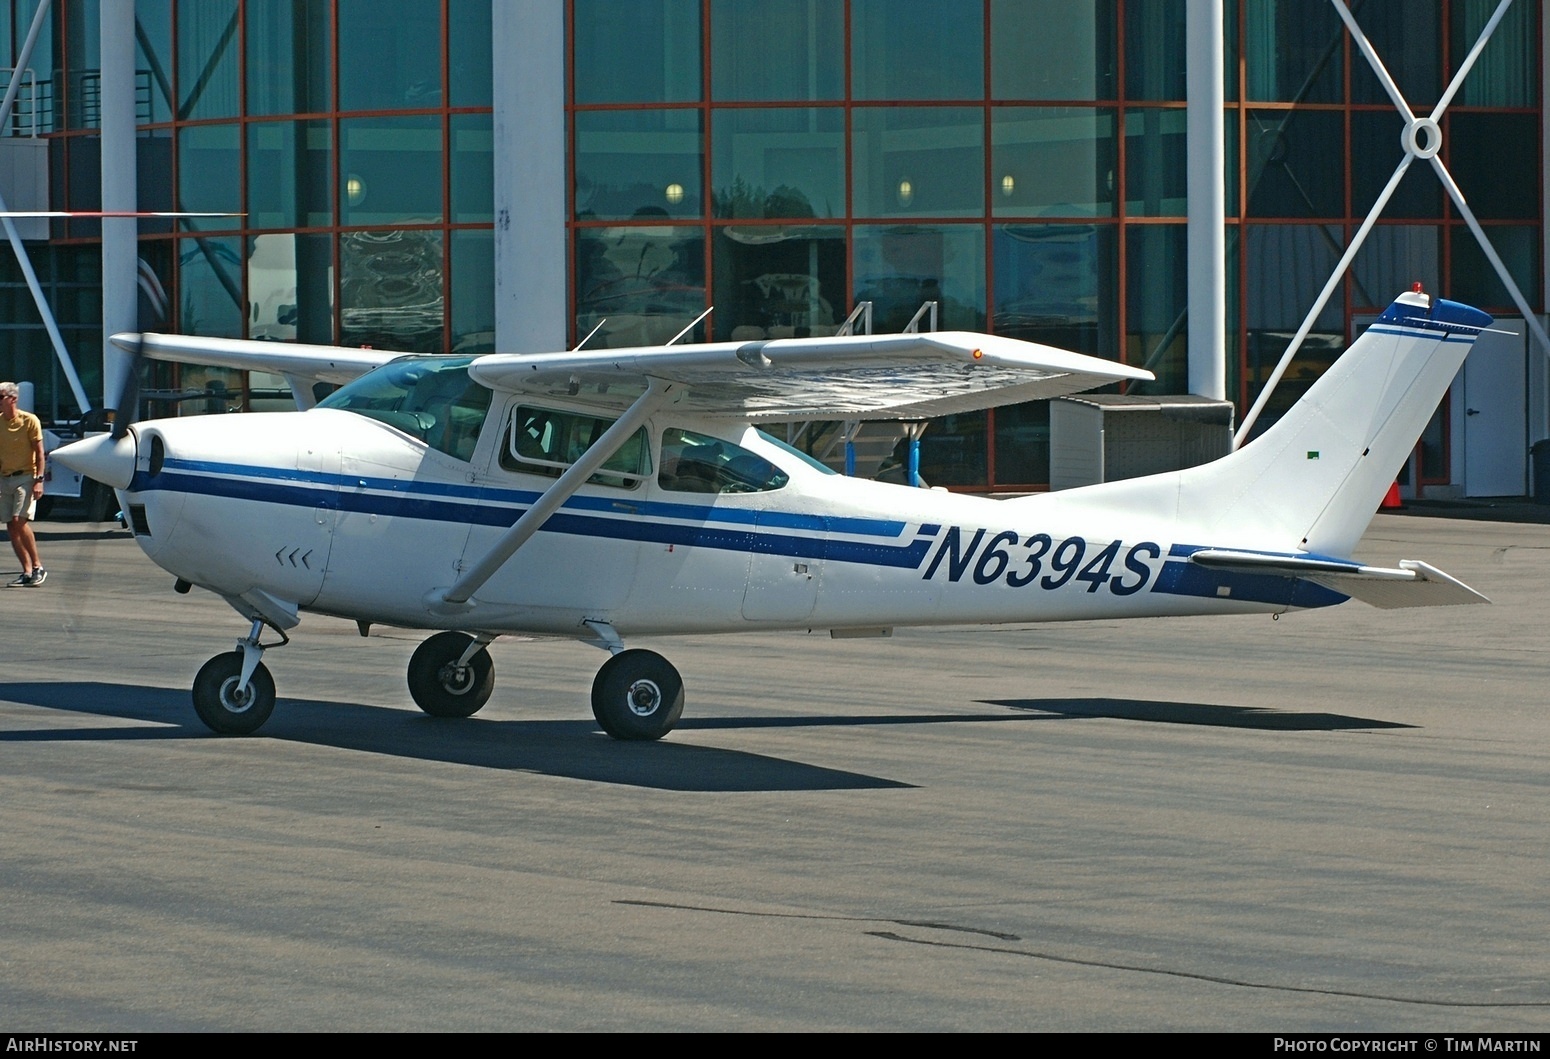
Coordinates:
[1411,584]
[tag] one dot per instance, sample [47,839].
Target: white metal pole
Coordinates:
[1207,191]
[120,244]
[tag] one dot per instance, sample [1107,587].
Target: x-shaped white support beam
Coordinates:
[1421,138]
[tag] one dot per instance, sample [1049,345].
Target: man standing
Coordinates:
[21,482]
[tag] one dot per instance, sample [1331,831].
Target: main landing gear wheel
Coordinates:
[440,686]
[637,695]
[221,706]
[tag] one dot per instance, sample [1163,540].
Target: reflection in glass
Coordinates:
[288,58]
[778,282]
[806,34]
[1392,259]
[1027,61]
[473,169]
[1294,52]
[153,60]
[210,174]
[469,77]
[900,267]
[1375,153]
[1287,267]
[389,54]
[1055,283]
[1154,41]
[390,290]
[289,173]
[1156,162]
[952,451]
[636,51]
[1407,37]
[1295,163]
[778,163]
[210,301]
[1474,280]
[290,288]
[1507,72]
[1052,162]
[1495,160]
[638,164]
[1156,301]
[208,43]
[390,170]
[916,49]
[473,291]
[921,161]
[649,282]
[1022,444]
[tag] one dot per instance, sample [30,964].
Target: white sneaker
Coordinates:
[38,577]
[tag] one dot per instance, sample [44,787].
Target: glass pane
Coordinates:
[1029,62]
[1052,162]
[473,291]
[1494,158]
[210,298]
[289,58]
[473,169]
[808,35]
[1408,38]
[1156,303]
[1294,159]
[952,451]
[389,54]
[1474,280]
[778,163]
[1375,153]
[924,161]
[1154,46]
[210,174]
[777,282]
[1394,258]
[208,60]
[290,167]
[1056,284]
[291,288]
[1022,444]
[898,268]
[638,163]
[83,62]
[698,463]
[1507,72]
[390,170]
[1288,264]
[1294,51]
[469,75]
[917,49]
[637,51]
[390,290]
[1156,162]
[153,59]
[648,282]
[42,103]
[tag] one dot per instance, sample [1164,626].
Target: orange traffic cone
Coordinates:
[1392,500]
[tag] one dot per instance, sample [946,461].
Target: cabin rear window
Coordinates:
[544,441]
[431,399]
[698,463]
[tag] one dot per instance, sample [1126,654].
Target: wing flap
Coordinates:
[1411,584]
[905,376]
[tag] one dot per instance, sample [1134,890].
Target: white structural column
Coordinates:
[1421,138]
[120,249]
[529,102]
[1207,200]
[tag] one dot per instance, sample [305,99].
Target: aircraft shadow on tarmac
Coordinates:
[574,749]
[1248,717]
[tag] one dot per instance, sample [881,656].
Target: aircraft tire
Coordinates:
[442,690]
[216,700]
[637,696]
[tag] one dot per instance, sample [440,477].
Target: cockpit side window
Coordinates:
[431,399]
[545,441]
[697,463]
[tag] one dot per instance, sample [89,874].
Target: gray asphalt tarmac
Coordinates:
[1336,821]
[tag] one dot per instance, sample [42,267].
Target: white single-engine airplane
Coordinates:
[627,492]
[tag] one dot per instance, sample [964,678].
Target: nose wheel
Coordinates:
[227,705]
[637,695]
[451,675]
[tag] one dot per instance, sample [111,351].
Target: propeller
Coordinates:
[127,407]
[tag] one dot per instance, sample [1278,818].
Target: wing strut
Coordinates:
[658,393]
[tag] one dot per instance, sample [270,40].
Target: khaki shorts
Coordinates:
[16,500]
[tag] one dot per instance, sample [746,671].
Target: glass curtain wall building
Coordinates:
[1019,163]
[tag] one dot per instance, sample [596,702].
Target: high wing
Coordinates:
[1412,584]
[902,376]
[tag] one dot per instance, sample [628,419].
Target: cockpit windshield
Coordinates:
[431,399]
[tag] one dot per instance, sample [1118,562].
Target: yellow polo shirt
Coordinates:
[18,438]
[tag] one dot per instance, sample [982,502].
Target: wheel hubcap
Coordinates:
[644,697]
[234,700]
[455,679]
